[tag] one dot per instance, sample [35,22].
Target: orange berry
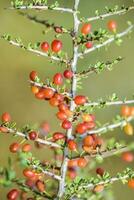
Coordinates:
[72,145]
[34,89]
[40,186]
[128,129]
[88,141]
[131,183]
[128,156]
[86,28]
[82,162]
[125,111]
[98,188]
[6,117]
[73,163]
[26,148]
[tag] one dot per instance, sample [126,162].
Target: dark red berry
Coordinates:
[32,135]
[13,194]
[68,74]
[66,124]
[56,46]
[33,75]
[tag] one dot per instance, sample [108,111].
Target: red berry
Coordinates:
[33,75]
[59,97]
[68,74]
[53,101]
[56,46]
[86,28]
[40,95]
[80,100]
[3,129]
[45,46]
[13,194]
[14,147]
[72,173]
[63,107]
[28,173]
[66,124]
[6,117]
[90,125]
[61,115]
[72,145]
[58,136]
[100,171]
[58,79]
[26,148]
[112,25]
[73,163]
[40,186]
[82,162]
[131,183]
[48,93]
[127,156]
[89,45]
[33,135]
[88,141]
[125,111]
[81,128]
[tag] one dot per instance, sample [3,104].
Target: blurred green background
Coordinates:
[15,65]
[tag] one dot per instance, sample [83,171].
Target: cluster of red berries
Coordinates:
[56,46]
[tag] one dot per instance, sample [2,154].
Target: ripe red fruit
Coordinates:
[82,162]
[33,75]
[80,100]
[40,95]
[59,97]
[58,79]
[28,173]
[58,136]
[72,145]
[56,46]
[6,117]
[112,25]
[26,148]
[45,46]
[40,186]
[81,128]
[90,125]
[32,135]
[61,115]
[72,173]
[13,194]
[100,171]
[125,111]
[88,117]
[48,93]
[3,129]
[53,101]
[73,163]
[131,183]
[14,147]
[88,141]
[63,107]
[86,28]
[68,74]
[66,124]
[128,156]
[89,45]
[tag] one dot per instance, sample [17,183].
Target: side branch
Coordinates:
[39,140]
[109,103]
[117,12]
[110,40]
[110,127]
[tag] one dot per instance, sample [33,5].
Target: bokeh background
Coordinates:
[15,65]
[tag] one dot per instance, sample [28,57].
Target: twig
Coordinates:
[39,53]
[41,7]
[41,141]
[109,103]
[107,41]
[110,127]
[119,12]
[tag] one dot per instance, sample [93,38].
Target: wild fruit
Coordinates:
[6,117]
[58,79]
[72,145]
[13,194]
[112,25]
[82,162]
[66,124]
[33,75]
[131,183]
[14,147]
[128,156]
[89,45]
[45,46]
[56,46]
[80,100]
[128,129]
[68,74]
[32,135]
[86,28]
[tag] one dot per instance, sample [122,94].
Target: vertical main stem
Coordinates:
[73,92]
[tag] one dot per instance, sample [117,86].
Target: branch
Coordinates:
[41,141]
[109,103]
[110,40]
[72,104]
[39,53]
[103,16]
[109,127]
